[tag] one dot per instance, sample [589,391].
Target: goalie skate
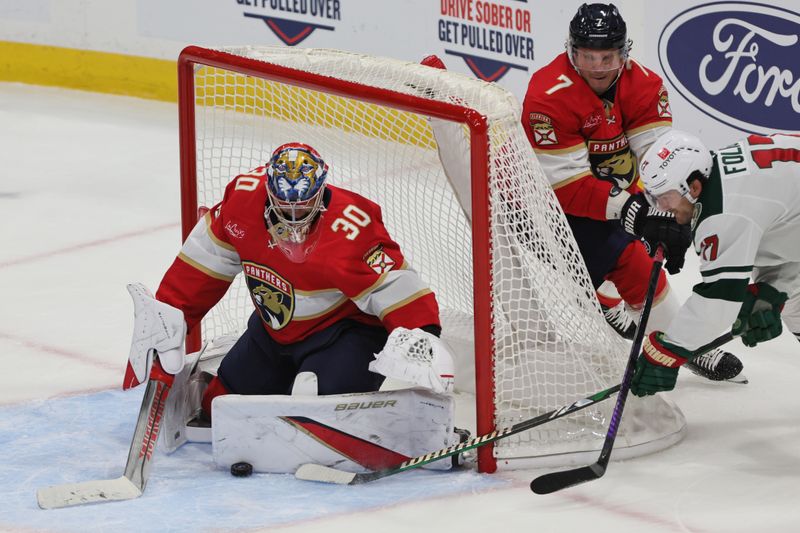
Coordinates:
[718,365]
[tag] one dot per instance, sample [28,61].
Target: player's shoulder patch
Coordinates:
[541,126]
[379,260]
[664,110]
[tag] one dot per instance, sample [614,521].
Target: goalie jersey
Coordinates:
[355,272]
[588,143]
[746,218]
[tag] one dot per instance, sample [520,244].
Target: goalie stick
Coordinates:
[131,484]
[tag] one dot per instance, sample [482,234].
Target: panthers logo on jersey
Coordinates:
[613,161]
[272,295]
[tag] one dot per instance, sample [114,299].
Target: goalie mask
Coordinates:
[295,185]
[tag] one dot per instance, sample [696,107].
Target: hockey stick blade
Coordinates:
[324,474]
[101,490]
[555,481]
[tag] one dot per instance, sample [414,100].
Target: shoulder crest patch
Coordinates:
[542,129]
[664,111]
[379,261]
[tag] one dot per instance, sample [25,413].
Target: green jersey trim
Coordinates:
[731,290]
[722,270]
[710,198]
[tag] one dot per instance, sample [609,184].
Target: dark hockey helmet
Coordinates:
[599,27]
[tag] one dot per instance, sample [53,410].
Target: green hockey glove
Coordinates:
[759,318]
[657,366]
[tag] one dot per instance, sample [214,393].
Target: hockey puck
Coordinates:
[241,469]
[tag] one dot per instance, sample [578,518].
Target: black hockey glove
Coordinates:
[654,226]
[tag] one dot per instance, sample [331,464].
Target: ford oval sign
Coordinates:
[738,62]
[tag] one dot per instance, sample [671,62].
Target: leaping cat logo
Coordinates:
[271,305]
[619,167]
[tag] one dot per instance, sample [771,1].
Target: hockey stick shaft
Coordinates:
[137,468]
[630,368]
[556,481]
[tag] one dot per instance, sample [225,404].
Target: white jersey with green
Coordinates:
[746,223]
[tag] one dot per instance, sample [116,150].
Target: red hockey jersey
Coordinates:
[355,272]
[587,144]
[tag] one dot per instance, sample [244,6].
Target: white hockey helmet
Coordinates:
[671,162]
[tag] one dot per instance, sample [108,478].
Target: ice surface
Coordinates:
[89,202]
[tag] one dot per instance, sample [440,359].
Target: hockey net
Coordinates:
[488,236]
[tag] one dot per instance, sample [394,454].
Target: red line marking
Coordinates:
[54,350]
[85,245]
[4,402]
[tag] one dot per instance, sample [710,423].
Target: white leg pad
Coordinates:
[354,432]
[180,406]
[183,402]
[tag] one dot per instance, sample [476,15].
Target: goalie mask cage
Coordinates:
[488,235]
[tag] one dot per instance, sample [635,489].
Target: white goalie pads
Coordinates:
[157,327]
[416,357]
[186,393]
[353,432]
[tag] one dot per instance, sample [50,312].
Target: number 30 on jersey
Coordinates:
[352,220]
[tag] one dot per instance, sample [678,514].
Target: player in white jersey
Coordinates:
[743,202]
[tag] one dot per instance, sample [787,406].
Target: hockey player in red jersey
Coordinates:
[589,115]
[327,281]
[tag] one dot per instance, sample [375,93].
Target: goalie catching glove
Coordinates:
[157,328]
[656,227]
[417,357]
[759,319]
[657,366]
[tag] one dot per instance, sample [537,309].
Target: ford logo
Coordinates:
[737,62]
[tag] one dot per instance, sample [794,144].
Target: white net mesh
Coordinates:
[551,343]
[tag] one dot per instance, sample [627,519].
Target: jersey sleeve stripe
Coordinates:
[731,290]
[714,271]
[398,287]
[202,252]
[715,274]
[403,303]
[207,271]
[560,151]
[649,126]
[379,282]
[565,168]
[571,179]
[214,238]
[306,308]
